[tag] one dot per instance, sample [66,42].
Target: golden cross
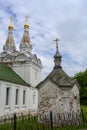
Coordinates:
[10,19]
[26,18]
[56,42]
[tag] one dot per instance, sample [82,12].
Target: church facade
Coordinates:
[16,96]
[24,64]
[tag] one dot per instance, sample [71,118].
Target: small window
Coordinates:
[16,97]
[24,94]
[7,95]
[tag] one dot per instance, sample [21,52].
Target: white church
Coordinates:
[20,72]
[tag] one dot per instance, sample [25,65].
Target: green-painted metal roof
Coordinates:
[7,74]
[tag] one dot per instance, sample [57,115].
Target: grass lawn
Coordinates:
[84,108]
[31,123]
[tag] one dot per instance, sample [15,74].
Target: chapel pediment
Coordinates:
[39,62]
[3,54]
[34,58]
[15,53]
[8,58]
[21,57]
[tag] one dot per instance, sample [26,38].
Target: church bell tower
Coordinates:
[9,46]
[25,45]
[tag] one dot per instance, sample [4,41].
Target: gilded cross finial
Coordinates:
[26,25]
[10,27]
[26,18]
[11,20]
[56,42]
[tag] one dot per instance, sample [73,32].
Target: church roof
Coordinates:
[58,76]
[7,74]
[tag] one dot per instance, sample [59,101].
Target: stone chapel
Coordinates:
[57,92]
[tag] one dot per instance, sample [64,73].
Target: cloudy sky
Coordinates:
[50,19]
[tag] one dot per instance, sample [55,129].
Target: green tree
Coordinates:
[82,80]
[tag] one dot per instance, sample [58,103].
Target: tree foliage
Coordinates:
[82,80]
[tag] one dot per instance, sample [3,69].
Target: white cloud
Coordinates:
[48,65]
[50,19]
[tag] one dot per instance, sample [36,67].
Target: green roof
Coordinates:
[7,74]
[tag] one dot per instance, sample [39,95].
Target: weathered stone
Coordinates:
[60,94]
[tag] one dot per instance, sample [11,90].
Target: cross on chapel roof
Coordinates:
[56,40]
